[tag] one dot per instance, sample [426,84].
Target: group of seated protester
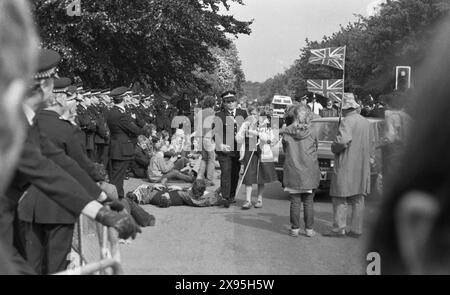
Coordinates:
[163,196]
[159,158]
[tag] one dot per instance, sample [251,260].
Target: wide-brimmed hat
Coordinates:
[349,102]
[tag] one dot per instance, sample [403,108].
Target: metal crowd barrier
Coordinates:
[95,250]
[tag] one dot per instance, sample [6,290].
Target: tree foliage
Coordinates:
[399,35]
[159,43]
[227,71]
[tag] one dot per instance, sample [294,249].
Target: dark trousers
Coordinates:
[47,246]
[103,154]
[11,236]
[308,210]
[229,176]
[117,175]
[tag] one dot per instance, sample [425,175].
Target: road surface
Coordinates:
[215,240]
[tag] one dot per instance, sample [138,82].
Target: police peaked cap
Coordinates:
[229,93]
[119,91]
[47,61]
[61,84]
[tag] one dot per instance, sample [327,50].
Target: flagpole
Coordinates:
[343,86]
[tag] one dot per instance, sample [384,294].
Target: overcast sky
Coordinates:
[280,28]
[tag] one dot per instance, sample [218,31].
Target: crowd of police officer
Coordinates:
[74,160]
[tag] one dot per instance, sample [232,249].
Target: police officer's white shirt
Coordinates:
[315,107]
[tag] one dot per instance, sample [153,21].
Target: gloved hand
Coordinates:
[122,222]
[109,189]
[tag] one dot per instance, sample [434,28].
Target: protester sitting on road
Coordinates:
[142,156]
[166,140]
[301,174]
[164,197]
[162,170]
[256,137]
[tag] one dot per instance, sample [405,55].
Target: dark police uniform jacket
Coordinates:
[36,206]
[102,131]
[87,125]
[229,124]
[50,170]
[122,129]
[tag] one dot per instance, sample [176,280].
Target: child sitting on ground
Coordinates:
[161,169]
[164,197]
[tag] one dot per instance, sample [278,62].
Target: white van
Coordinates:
[280,104]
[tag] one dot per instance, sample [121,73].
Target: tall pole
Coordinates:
[343,86]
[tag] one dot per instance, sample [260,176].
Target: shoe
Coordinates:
[247,205]
[258,204]
[232,201]
[132,197]
[310,233]
[353,234]
[334,234]
[226,204]
[294,232]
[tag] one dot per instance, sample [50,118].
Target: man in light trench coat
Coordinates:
[351,178]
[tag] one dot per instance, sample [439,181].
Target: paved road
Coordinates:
[191,241]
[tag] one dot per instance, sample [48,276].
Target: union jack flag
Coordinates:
[333,57]
[329,88]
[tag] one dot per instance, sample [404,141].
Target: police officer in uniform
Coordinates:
[227,151]
[121,147]
[87,123]
[102,134]
[45,166]
[48,227]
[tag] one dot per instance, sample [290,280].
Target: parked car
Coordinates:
[326,130]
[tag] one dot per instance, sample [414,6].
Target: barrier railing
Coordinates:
[95,250]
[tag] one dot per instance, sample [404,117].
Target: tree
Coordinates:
[159,43]
[399,35]
[227,71]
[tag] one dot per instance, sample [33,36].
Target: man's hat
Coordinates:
[349,102]
[61,84]
[119,91]
[228,94]
[47,62]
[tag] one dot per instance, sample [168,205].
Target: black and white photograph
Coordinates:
[224,143]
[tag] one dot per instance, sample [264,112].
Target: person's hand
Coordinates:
[109,189]
[173,158]
[122,222]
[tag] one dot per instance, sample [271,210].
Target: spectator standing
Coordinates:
[329,110]
[203,130]
[351,176]
[18,52]
[396,128]
[256,137]
[315,106]
[301,174]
